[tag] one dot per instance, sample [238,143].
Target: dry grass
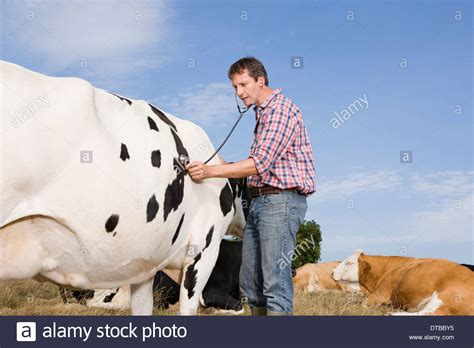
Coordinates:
[28,297]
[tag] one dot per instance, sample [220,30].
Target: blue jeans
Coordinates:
[269,242]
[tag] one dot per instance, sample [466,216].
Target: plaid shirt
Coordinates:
[281,148]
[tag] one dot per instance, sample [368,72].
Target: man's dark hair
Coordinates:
[252,64]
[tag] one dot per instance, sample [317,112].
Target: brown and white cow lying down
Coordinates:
[313,277]
[423,286]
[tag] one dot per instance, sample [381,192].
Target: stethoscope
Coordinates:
[242,111]
[184,160]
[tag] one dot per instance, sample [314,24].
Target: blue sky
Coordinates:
[411,60]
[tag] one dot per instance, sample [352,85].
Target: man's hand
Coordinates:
[198,170]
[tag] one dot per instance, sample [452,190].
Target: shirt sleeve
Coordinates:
[279,132]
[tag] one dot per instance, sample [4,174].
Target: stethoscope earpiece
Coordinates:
[242,110]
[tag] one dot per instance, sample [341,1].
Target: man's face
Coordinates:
[246,87]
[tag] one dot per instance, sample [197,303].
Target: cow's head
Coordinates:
[348,270]
[242,199]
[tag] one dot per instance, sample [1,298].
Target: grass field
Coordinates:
[28,297]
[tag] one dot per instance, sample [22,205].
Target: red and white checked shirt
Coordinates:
[281,148]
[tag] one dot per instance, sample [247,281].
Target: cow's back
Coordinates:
[316,276]
[453,283]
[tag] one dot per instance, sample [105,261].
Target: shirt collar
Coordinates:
[268,100]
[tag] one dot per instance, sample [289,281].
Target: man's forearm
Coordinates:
[238,169]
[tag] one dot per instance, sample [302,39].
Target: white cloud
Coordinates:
[447,184]
[210,105]
[443,183]
[362,182]
[451,222]
[110,36]
[448,219]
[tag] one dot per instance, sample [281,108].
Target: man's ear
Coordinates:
[261,81]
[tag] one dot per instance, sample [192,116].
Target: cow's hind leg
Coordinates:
[430,306]
[141,298]
[197,273]
[21,253]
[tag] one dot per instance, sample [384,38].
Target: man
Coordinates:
[281,175]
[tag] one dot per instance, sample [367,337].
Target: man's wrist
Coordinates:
[213,170]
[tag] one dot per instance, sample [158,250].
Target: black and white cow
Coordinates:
[221,291]
[94,194]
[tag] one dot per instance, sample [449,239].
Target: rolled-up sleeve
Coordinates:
[279,131]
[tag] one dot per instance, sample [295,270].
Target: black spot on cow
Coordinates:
[190,276]
[179,145]
[177,230]
[152,124]
[174,195]
[122,98]
[226,199]
[83,295]
[209,237]
[235,185]
[110,297]
[175,191]
[124,155]
[163,117]
[111,223]
[156,158]
[151,209]
[191,272]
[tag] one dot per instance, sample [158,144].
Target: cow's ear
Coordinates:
[364,266]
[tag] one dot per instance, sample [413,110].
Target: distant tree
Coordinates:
[308,244]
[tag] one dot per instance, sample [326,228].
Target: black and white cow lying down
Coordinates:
[221,291]
[93,195]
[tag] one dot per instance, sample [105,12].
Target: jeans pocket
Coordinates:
[275,200]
